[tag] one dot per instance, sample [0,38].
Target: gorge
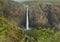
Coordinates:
[29,21]
[40,14]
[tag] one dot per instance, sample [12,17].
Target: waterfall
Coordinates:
[27,19]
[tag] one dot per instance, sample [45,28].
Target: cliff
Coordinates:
[45,15]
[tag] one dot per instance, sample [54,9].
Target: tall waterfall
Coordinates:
[27,19]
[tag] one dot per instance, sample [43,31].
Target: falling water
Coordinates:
[27,19]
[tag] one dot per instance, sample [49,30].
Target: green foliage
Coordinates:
[9,31]
[3,26]
[45,35]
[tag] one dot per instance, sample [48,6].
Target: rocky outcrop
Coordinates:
[40,14]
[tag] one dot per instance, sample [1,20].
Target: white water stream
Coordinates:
[27,18]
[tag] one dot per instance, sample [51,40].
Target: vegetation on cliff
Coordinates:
[44,15]
[9,32]
[44,35]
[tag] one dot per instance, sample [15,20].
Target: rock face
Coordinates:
[15,12]
[45,15]
[40,14]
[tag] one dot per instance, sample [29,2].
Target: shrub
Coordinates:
[45,35]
